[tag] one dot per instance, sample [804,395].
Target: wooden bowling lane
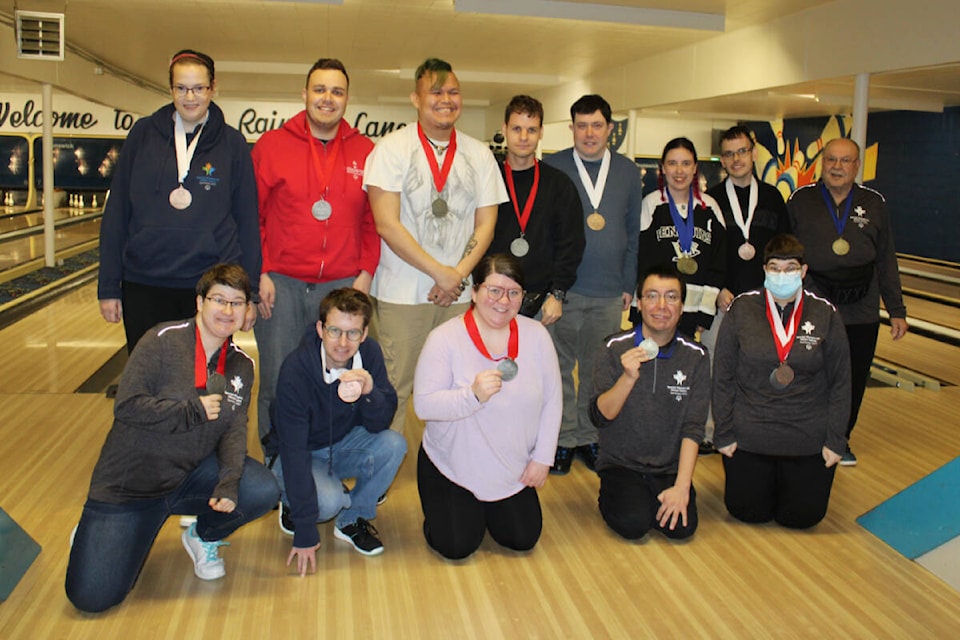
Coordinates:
[58,347]
[18,251]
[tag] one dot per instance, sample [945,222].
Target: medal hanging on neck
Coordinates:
[200,367]
[180,198]
[595,221]
[746,251]
[507,366]
[685,263]
[519,247]
[440,174]
[321,209]
[840,246]
[783,338]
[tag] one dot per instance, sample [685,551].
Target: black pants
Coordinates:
[628,503]
[145,306]
[791,490]
[863,344]
[454,521]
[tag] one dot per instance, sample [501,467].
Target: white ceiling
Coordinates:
[263,47]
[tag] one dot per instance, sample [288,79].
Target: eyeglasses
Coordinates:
[199,91]
[334,333]
[653,297]
[832,160]
[742,151]
[495,293]
[790,269]
[227,304]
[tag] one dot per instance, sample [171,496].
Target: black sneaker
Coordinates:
[362,535]
[562,461]
[707,448]
[588,453]
[286,524]
[381,499]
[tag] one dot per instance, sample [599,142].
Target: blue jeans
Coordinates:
[296,309]
[113,540]
[371,458]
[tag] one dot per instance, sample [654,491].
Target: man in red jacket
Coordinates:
[316,229]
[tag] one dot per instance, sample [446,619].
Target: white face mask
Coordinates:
[783,285]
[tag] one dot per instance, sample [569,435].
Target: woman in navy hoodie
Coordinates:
[183,199]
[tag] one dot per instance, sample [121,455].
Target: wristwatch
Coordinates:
[559,294]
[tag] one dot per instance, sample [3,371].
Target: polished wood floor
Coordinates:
[730,581]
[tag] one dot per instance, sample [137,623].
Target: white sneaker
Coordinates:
[186,521]
[207,563]
[73,534]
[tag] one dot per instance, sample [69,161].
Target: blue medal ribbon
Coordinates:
[839,223]
[684,227]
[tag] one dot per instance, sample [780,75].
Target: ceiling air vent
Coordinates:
[39,35]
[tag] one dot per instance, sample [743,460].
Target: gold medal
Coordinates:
[840,247]
[687,265]
[595,221]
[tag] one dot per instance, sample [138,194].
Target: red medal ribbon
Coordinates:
[524,218]
[783,349]
[200,362]
[513,343]
[324,172]
[439,174]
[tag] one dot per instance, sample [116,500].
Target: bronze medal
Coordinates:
[840,247]
[595,221]
[746,251]
[687,265]
[782,376]
[439,208]
[520,247]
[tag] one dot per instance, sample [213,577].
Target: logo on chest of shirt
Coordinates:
[806,338]
[679,391]
[232,396]
[207,181]
[355,171]
[859,217]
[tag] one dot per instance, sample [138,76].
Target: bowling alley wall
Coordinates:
[912,158]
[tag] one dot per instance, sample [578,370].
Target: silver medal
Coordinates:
[508,369]
[520,247]
[746,251]
[180,198]
[439,208]
[650,347]
[321,210]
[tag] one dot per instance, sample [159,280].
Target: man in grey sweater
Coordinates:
[177,446]
[650,397]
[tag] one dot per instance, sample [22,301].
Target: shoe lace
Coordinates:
[211,550]
[364,527]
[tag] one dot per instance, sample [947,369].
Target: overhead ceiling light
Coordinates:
[557,9]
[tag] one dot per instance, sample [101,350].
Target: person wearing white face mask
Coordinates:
[781,395]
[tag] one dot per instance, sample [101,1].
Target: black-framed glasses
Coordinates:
[223,303]
[200,90]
